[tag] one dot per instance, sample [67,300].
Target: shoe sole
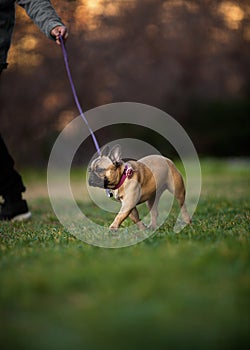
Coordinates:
[22,217]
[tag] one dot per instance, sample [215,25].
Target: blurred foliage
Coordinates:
[188,58]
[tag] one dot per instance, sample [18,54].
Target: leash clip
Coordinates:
[109,193]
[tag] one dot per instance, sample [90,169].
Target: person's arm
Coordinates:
[45,17]
[7,19]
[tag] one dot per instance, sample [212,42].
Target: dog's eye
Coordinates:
[100,171]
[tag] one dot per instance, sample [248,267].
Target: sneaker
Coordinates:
[14,211]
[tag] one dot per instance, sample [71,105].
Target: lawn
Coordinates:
[179,291]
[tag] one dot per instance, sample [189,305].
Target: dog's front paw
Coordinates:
[141,226]
[113,228]
[152,227]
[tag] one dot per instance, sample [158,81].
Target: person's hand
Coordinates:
[59,31]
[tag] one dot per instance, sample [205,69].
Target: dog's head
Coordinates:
[105,171]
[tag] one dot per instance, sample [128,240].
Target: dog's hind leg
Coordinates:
[177,188]
[180,196]
[152,205]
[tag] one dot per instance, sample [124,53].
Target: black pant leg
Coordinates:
[11,184]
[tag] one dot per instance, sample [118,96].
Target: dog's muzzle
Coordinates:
[95,181]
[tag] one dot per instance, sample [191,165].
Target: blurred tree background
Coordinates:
[189,58]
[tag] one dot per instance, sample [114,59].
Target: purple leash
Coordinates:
[65,56]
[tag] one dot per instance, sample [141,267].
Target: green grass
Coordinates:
[179,291]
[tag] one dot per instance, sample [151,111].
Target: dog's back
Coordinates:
[160,168]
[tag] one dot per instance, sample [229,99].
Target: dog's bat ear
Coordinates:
[105,151]
[115,154]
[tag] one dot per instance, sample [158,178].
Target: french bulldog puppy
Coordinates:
[134,182]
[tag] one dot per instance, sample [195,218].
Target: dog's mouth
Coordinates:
[106,182]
